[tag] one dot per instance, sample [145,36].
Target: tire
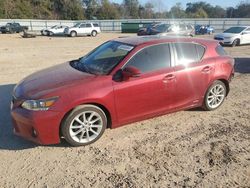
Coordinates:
[94,33]
[73,34]
[50,33]
[215,96]
[236,42]
[80,131]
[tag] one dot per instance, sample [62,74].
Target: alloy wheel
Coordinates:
[216,96]
[86,127]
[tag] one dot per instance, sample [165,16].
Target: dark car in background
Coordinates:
[165,29]
[203,29]
[13,28]
[144,30]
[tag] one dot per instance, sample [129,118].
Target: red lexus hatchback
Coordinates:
[122,81]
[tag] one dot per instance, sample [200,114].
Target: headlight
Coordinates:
[39,105]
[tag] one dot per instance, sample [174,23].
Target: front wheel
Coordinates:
[73,34]
[236,42]
[84,125]
[50,33]
[215,95]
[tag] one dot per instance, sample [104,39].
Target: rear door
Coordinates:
[152,91]
[193,74]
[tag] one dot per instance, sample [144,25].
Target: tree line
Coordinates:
[105,9]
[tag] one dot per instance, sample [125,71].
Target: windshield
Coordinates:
[53,26]
[104,58]
[234,30]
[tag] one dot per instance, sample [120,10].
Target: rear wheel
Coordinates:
[84,125]
[215,95]
[93,33]
[73,34]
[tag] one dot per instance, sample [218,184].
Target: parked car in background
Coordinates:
[54,30]
[13,28]
[234,36]
[122,81]
[144,30]
[164,29]
[203,29]
[83,29]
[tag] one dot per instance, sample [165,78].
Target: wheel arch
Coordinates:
[102,107]
[94,30]
[73,31]
[226,84]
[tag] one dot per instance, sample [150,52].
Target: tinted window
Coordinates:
[88,25]
[151,58]
[188,53]
[96,25]
[83,25]
[162,27]
[200,51]
[220,50]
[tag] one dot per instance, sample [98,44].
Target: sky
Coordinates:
[167,4]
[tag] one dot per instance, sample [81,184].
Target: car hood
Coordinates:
[226,35]
[48,80]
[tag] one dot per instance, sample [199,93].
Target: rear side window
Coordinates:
[188,53]
[220,51]
[151,58]
[96,25]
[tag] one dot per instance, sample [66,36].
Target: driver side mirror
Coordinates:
[126,73]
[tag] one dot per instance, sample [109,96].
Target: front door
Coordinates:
[152,91]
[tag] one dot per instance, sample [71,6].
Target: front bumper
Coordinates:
[225,41]
[41,127]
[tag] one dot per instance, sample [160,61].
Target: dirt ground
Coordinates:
[190,148]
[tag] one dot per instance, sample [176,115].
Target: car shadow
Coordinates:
[242,65]
[8,141]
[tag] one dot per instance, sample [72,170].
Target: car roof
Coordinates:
[144,40]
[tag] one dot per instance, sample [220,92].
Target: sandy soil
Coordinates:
[185,149]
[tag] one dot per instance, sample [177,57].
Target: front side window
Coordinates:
[188,53]
[83,25]
[77,25]
[103,59]
[162,28]
[151,58]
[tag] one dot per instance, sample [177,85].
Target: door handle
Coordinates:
[206,69]
[168,78]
